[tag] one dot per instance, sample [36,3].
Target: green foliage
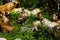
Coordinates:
[31,4]
[45,34]
[1,2]
[46,15]
[24,30]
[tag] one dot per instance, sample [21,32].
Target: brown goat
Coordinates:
[8,7]
[5,24]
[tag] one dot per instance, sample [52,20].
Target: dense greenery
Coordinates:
[24,30]
[1,2]
[32,3]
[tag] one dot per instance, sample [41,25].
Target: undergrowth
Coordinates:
[24,30]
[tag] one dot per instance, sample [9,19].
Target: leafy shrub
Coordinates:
[1,2]
[31,4]
[24,30]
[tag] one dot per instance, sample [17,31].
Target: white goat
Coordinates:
[36,25]
[27,12]
[19,10]
[50,24]
[3,39]
[35,11]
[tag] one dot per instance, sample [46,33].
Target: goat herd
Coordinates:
[24,13]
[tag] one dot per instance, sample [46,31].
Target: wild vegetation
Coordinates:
[24,30]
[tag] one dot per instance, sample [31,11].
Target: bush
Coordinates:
[31,4]
[24,30]
[1,2]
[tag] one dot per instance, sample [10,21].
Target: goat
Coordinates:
[36,25]
[8,7]
[54,26]
[5,24]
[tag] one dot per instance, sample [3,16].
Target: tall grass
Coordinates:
[24,30]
